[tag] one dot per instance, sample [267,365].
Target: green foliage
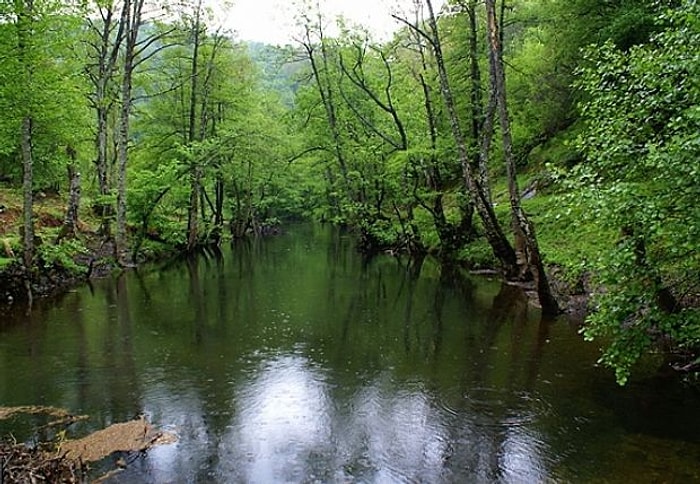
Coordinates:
[44,79]
[568,236]
[62,256]
[478,255]
[640,179]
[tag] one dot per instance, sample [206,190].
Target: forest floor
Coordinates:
[59,266]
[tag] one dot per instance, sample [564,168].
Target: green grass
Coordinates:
[567,236]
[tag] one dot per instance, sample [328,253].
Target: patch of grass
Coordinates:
[478,255]
[566,236]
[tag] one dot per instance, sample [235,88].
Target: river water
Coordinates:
[292,359]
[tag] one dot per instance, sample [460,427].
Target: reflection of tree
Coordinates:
[196,298]
[121,384]
[487,404]
[452,283]
[535,360]
[222,291]
[82,368]
[411,273]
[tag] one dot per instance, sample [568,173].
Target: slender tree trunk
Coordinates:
[451,237]
[321,76]
[70,222]
[25,11]
[122,160]
[103,208]
[105,49]
[195,174]
[526,241]
[494,233]
[28,185]
[131,17]
[218,209]
[193,210]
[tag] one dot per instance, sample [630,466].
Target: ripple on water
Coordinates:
[504,408]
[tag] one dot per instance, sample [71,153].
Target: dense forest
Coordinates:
[555,141]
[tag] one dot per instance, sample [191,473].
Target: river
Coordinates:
[293,359]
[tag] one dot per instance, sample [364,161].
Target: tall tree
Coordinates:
[475,186]
[24,10]
[104,44]
[131,18]
[195,173]
[526,244]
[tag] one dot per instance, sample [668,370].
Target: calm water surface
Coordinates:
[293,360]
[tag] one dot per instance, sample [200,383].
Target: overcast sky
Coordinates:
[272,21]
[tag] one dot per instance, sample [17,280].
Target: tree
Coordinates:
[40,98]
[639,178]
[526,244]
[315,47]
[131,19]
[104,44]
[475,185]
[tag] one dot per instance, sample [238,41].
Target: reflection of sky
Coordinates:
[184,415]
[282,421]
[288,426]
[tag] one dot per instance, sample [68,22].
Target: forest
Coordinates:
[553,141]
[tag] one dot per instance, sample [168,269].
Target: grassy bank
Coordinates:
[57,264]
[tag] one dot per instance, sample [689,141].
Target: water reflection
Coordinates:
[295,360]
[282,421]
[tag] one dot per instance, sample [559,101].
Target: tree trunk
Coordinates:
[218,209]
[28,181]
[131,19]
[193,211]
[494,233]
[321,75]
[103,209]
[70,222]
[195,175]
[528,256]
[106,51]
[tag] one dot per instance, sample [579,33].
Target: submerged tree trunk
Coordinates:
[529,258]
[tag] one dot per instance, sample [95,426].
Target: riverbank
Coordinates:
[60,458]
[58,265]
[71,262]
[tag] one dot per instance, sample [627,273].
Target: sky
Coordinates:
[272,21]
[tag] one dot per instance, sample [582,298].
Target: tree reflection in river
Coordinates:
[293,359]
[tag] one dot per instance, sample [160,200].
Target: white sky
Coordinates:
[272,21]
